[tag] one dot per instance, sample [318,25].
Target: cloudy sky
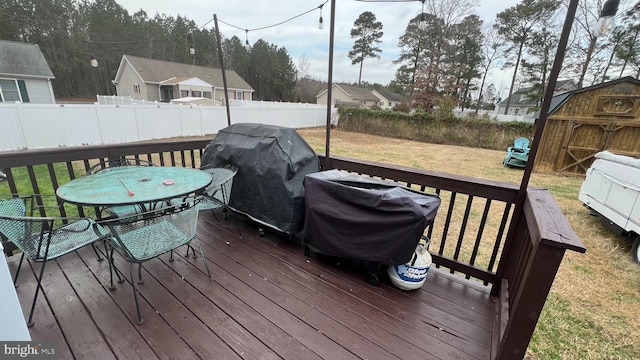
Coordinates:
[301,36]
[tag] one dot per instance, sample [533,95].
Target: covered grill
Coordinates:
[362,218]
[272,162]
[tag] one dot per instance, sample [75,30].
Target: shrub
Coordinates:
[435,128]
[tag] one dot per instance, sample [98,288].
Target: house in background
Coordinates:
[388,99]
[158,80]
[25,75]
[348,95]
[521,104]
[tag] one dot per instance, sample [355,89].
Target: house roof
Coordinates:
[194,81]
[357,93]
[519,98]
[391,96]
[561,83]
[23,59]
[158,71]
[354,92]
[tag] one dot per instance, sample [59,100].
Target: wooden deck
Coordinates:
[266,301]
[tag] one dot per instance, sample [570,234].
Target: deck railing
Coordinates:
[468,237]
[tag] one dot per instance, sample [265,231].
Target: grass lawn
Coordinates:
[593,310]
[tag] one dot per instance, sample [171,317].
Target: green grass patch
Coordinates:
[561,333]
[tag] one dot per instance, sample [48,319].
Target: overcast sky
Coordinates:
[301,36]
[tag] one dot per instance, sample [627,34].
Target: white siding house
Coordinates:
[25,75]
[158,80]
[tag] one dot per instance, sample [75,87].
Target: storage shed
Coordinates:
[586,121]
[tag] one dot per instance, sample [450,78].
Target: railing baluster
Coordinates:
[463,228]
[447,222]
[430,231]
[498,242]
[483,222]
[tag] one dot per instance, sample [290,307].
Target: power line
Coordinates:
[276,24]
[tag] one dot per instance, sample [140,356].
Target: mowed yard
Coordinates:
[593,311]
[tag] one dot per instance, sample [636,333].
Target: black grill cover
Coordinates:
[272,162]
[357,217]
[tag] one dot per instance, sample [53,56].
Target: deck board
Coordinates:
[265,300]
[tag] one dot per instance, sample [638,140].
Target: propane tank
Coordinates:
[411,276]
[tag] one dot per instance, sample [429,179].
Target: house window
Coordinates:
[11,90]
[184,93]
[517,111]
[196,93]
[136,88]
[239,95]
[207,94]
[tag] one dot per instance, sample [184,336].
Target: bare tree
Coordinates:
[491,52]
[516,24]
[451,11]
[586,19]
[303,73]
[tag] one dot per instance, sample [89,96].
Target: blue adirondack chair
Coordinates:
[518,154]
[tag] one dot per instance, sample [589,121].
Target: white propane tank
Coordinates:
[411,276]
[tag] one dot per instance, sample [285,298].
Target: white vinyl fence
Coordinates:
[35,126]
[492,114]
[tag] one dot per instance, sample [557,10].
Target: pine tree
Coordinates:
[367,31]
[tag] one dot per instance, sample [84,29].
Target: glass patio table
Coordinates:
[133,185]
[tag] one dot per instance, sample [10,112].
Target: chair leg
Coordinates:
[15,278]
[236,224]
[140,279]
[195,256]
[112,268]
[204,259]
[35,297]
[135,294]
[93,246]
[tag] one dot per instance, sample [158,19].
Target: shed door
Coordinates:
[583,140]
[624,138]
[586,138]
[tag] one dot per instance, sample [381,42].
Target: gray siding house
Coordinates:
[158,80]
[522,105]
[25,75]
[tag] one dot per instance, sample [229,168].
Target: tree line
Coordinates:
[447,51]
[70,33]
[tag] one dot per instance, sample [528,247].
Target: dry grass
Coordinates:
[594,305]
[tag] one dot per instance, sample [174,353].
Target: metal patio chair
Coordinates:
[44,238]
[217,194]
[146,235]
